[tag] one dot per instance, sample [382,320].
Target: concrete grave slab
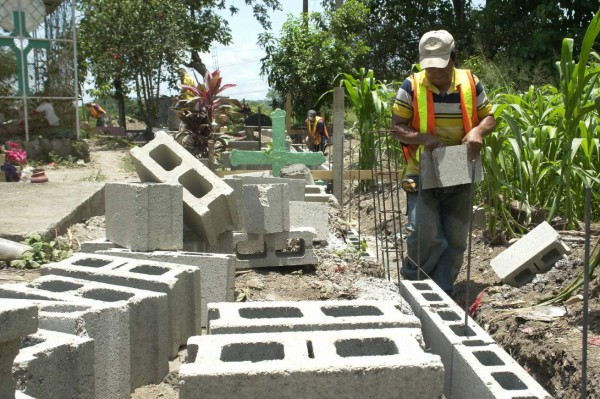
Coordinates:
[51,364]
[284,316]
[209,203]
[310,214]
[180,283]
[307,365]
[536,252]
[145,216]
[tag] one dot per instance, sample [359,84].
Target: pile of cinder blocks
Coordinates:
[311,350]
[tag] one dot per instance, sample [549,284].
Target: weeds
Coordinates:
[41,252]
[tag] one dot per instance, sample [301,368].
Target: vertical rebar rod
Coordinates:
[397,190]
[376,206]
[385,254]
[586,291]
[359,187]
[469,247]
[350,194]
[391,191]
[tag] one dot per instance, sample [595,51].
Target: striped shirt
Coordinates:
[449,126]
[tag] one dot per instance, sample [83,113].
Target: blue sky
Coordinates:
[239,62]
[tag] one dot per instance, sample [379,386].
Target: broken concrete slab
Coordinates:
[28,213]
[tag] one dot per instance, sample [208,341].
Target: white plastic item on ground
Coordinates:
[10,250]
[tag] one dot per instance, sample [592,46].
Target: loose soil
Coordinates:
[549,349]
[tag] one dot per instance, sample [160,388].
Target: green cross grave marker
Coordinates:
[21,43]
[278,157]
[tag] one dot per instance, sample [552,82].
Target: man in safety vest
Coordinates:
[97,113]
[440,106]
[318,137]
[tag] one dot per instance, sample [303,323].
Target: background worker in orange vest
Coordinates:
[318,136]
[440,106]
[97,113]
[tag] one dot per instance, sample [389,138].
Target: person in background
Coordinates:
[439,106]
[318,136]
[97,113]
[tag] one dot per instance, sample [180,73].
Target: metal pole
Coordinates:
[469,246]
[76,75]
[586,291]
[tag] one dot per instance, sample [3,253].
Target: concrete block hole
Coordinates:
[102,294]
[150,270]
[64,308]
[422,286]
[294,247]
[30,340]
[251,250]
[91,262]
[432,297]
[195,184]
[509,381]
[475,342]
[448,315]
[165,157]
[270,313]
[351,311]
[366,347]
[252,352]
[59,286]
[488,358]
[461,331]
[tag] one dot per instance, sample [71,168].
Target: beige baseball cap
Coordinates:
[435,48]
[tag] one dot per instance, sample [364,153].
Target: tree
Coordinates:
[311,50]
[136,44]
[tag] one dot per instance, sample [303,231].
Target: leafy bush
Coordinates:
[41,252]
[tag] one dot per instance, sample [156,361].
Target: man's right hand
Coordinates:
[431,142]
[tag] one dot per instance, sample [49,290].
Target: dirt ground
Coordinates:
[547,347]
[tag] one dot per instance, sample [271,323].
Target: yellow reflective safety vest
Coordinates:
[312,130]
[423,109]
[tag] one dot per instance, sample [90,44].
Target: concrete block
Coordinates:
[145,216]
[443,329]
[209,206]
[298,171]
[288,248]
[264,208]
[489,373]
[310,365]
[423,294]
[244,145]
[536,252]
[17,320]
[51,364]
[147,318]
[310,214]
[448,166]
[282,316]
[99,244]
[217,272]
[295,187]
[180,283]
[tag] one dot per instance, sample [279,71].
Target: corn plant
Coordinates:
[545,150]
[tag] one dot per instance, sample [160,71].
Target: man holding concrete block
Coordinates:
[439,106]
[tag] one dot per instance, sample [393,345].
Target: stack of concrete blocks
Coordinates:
[536,252]
[475,366]
[449,166]
[310,350]
[147,314]
[145,216]
[180,283]
[265,230]
[217,271]
[51,364]
[209,206]
[16,321]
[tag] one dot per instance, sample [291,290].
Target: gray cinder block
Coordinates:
[422,294]
[264,208]
[260,317]
[147,318]
[536,252]
[310,214]
[209,206]
[51,364]
[295,187]
[443,329]
[307,365]
[217,272]
[271,250]
[448,166]
[180,283]
[488,373]
[145,216]
[17,320]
